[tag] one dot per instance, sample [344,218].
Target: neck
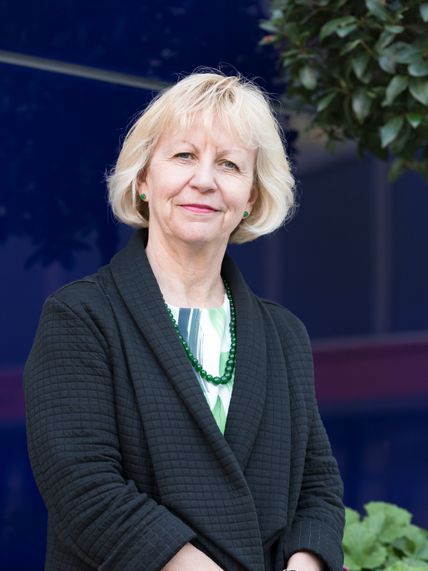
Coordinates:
[188,276]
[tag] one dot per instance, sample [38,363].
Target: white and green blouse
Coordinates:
[207,333]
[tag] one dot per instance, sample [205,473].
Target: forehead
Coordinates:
[200,130]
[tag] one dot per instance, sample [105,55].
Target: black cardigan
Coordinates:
[126,452]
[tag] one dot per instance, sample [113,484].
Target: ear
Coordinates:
[253,196]
[141,180]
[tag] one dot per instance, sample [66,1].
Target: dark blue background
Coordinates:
[60,134]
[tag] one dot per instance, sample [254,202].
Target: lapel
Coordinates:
[249,391]
[140,292]
[138,287]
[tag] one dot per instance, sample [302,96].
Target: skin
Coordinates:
[198,187]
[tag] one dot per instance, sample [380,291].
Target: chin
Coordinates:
[202,238]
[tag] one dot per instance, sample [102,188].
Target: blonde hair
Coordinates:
[243,110]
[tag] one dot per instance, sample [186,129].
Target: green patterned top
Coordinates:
[207,332]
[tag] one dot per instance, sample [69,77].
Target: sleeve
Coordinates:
[319,520]
[75,454]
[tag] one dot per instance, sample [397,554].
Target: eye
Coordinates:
[229,165]
[184,156]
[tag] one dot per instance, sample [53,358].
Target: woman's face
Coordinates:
[198,186]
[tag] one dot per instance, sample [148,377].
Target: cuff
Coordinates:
[312,535]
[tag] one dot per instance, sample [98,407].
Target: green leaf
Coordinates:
[387,62]
[359,64]
[325,101]
[387,36]
[362,549]
[423,9]
[389,132]
[403,565]
[417,563]
[393,520]
[344,31]
[399,52]
[350,46]
[419,68]
[395,29]
[375,523]
[419,89]
[398,147]
[384,40]
[396,86]
[414,542]
[405,53]
[308,77]
[396,170]
[399,515]
[332,26]
[328,29]
[351,516]
[268,26]
[422,553]
[376,8]
[414,119]
[361,104]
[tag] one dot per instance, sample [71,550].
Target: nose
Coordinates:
[204,176]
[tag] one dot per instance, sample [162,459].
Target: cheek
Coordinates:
[240,195]
[161,188]
[172,181]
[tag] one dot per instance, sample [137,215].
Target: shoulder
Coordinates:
[286,322]
[85,294]
[294,339]
[82,303]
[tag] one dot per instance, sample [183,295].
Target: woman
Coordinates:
[172,422]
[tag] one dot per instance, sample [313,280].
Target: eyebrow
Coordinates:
[223,151]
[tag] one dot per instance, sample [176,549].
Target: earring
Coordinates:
[246,214]
[143,197]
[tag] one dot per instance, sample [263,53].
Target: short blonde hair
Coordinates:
[240,107]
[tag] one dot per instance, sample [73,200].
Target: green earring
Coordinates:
[246,214]
[143,197]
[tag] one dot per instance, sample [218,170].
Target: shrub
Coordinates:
[384,539]
[360,69]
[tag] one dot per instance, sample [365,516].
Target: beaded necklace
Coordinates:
[230,363]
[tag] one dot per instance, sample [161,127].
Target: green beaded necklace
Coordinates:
[230,363]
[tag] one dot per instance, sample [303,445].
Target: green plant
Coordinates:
[360,69]
[384,539]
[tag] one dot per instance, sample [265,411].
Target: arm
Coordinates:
[314,538]
[318,523]
[305,561]
[75,452]
[190,558]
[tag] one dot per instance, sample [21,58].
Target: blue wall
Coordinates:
[60,133]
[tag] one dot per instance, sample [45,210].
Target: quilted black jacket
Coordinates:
[128,457]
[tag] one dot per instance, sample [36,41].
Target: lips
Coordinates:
[199,208]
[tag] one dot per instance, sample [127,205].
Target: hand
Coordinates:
[305,561]
[190,558]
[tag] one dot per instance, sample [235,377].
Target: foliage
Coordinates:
[384,539]
[361,70]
